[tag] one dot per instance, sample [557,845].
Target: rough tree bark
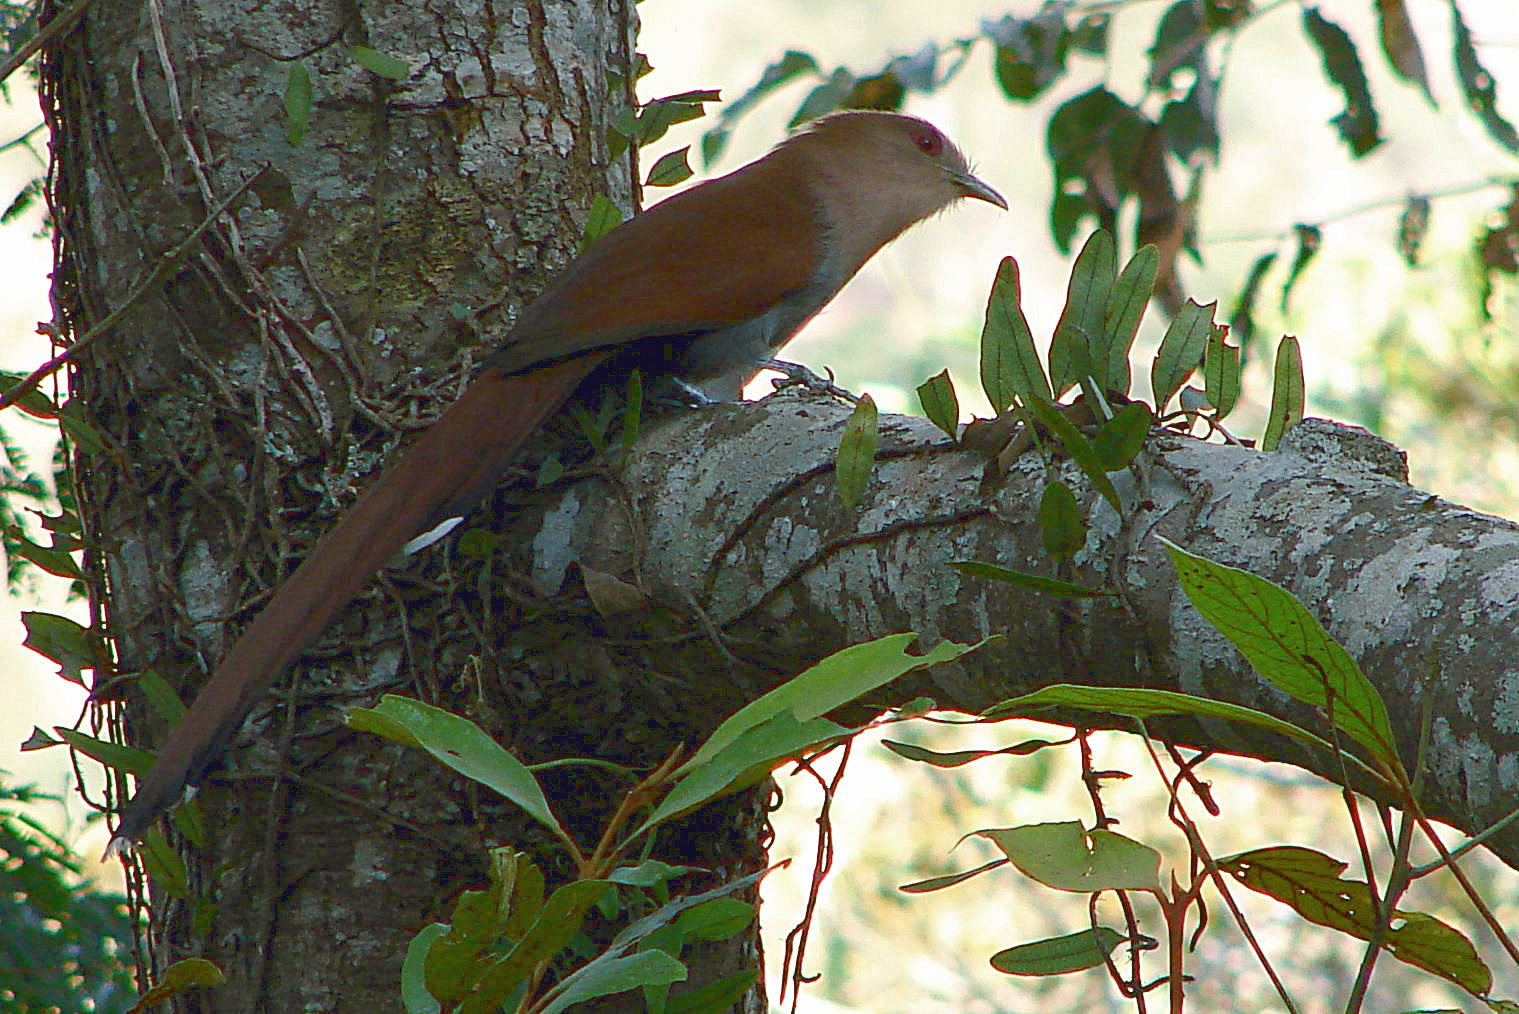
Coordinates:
[257,379]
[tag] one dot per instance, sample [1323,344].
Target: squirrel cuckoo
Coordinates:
[712,281]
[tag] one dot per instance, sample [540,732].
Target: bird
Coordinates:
[709,283]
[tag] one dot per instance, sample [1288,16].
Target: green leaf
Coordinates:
[414,994]
[949,880]
[1288,647]
[1140,703]
[672,168]
[60,640]
[379,63]
[649,873]
[715,997]
[937,396]
[959,758]
[1080,450]
[1286,393]
[1478,85]
[1033,582]
[1309,882]
[1242,320]
[857,452]
[1357,125]
[1309,239]
[1221,370]
[1119,439]
[1401,45]
[297,103]
[1126,308]
[1068,857]
[1181,351]
[57,559]
[1074,952]
[790,66]
[1010,366]
[1060,521]
[1413,227]
[603,217]
[113,755]
[460,744]
[1078,344]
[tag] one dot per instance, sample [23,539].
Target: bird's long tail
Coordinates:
[448,468]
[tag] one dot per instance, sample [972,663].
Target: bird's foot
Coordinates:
[797,375]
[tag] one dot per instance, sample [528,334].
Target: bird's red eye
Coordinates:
[929,142]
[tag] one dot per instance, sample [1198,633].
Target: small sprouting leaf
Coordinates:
[1010,366]
[1221,370]
[1074,952]
[1181,351]
[857,452]
[1077,347]
[1309,882]
[1286,393]
[671,169]
[379,63]
[1060,521]
[1357,125]
[1119,439]
[1401,44]
[1067,857]
[1478,85]
[1033,582]
[1413,226]
[1126,308]
[937,396]
[1283,641]
[1309,239]
[603,217]
[297,103]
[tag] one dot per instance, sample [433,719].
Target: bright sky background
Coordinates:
[1281,164]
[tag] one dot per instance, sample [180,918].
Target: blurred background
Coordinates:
[1420,355]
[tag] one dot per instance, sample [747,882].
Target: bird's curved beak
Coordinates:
[970,186]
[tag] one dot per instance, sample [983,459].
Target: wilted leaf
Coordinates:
[1357,125]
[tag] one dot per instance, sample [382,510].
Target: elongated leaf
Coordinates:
[949,879]
[1010,366]
[857,452]
[937,396]
[1181,351]
[1286,393]
[1061,523]
[1401,44]
[1242,320]
[1141,703]
[790,66]
[1221,370]
[616,975]
[379,63]
[1288,647]
[1310,883]
[414,993]
[1309,239]
[1118,440]
[1478,85]
[960,758]
[1125,309]
[1068,857]
[1033,582]
[113,755]
[1073,952]
[297,103]
[1078,342]
[1357,125]
[1080,450]
[460,744]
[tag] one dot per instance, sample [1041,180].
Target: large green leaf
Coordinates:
[1068,857]
[1010,366]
